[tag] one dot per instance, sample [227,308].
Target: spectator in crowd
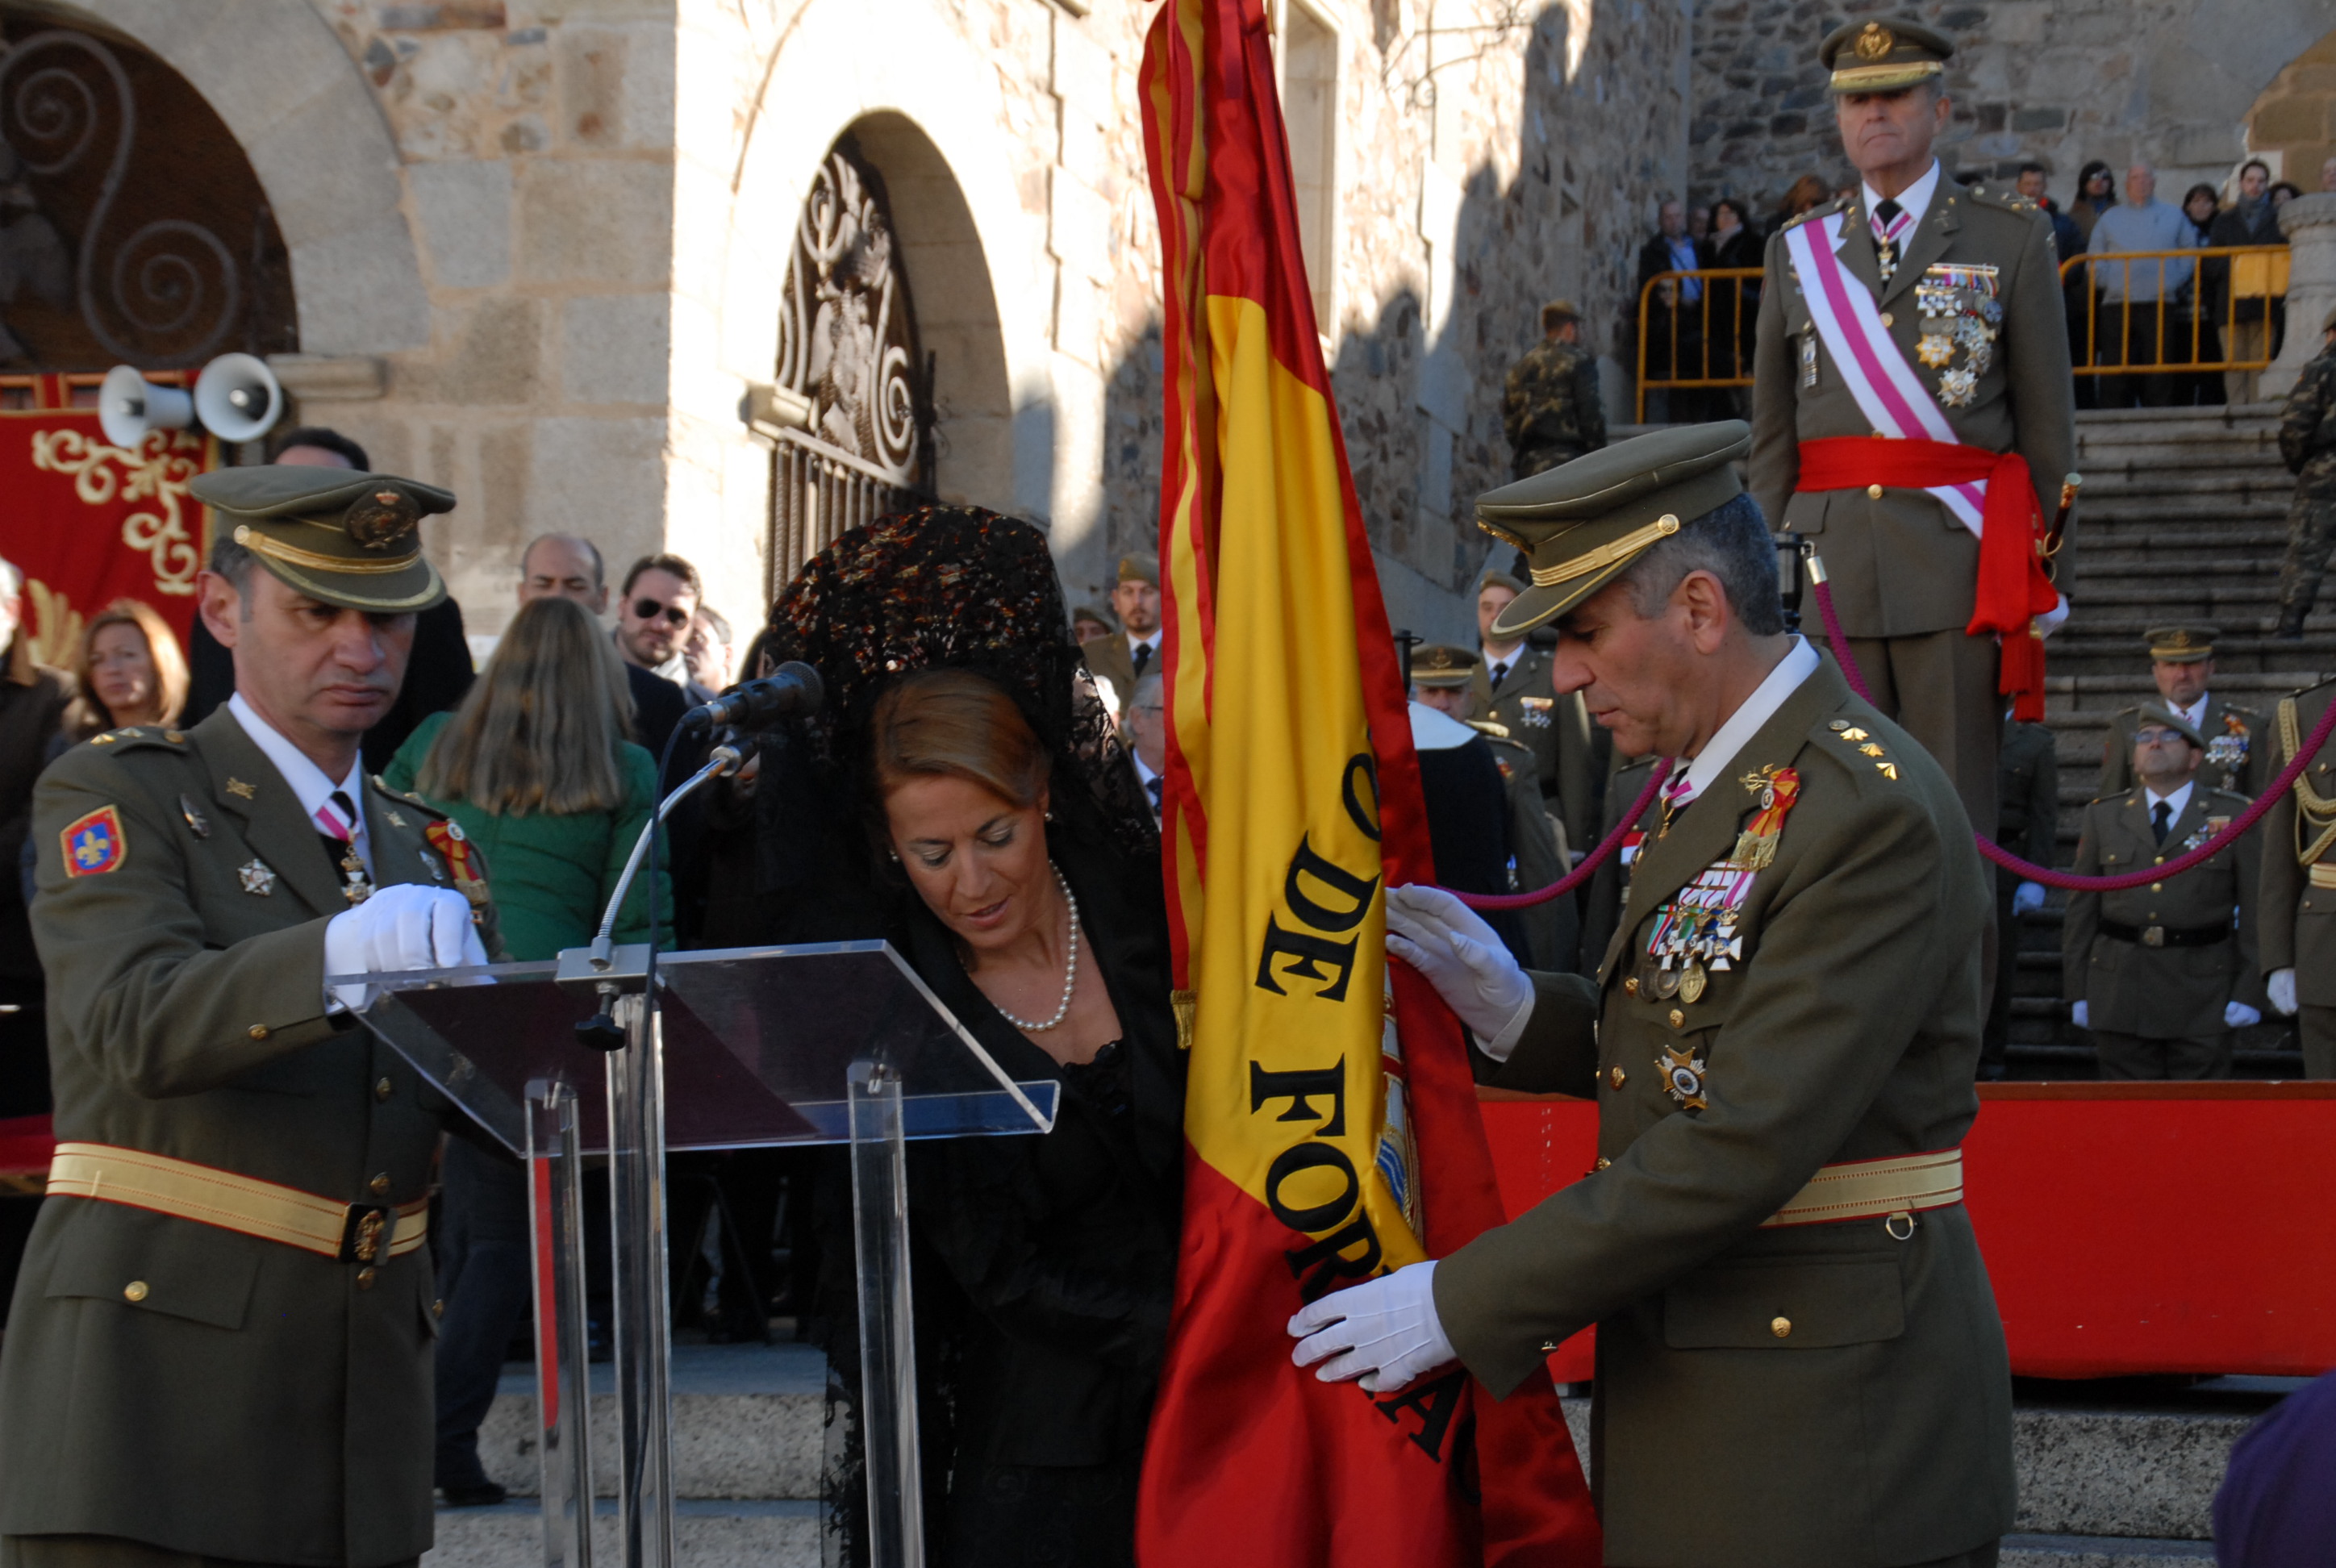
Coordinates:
[2076,289]
[1673,328]
[33,700]
[1698,224]
[2028,823]
[128,671]
[2255,311]
[568,566]
[2307,442]
[2327,175]
[1735,301]
[2283,193]
[2203,346]
[655,610]
[1551,409]
[535,768]
[2096,194]
[1088,623]
[1147,736]
[2139,298]
[709,648]
[2066,239]
[2080,288]
[1805,192]
[436,675]
[1120,659]
[2163,973]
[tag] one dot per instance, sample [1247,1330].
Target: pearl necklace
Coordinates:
[1070,969]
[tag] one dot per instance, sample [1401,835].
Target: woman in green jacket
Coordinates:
[536,768]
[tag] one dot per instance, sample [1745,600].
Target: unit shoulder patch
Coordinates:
[94,844]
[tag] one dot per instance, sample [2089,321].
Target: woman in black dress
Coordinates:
[963,796]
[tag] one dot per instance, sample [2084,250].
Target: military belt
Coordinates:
[1876,1189]
[2323,874]
[344,1233]
[2166,936]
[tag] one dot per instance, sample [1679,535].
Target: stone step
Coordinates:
[706,1535]
[2113,545]
[2104,1551]
[2166,564]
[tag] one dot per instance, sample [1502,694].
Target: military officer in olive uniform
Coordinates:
[2182,663]
[1124,656]
[1510,687]
[2307,442]
[2028,823]
[1551,409]
[1965,290]
[1800,1363]
[2162,973]
[220,1344]
[2298,902]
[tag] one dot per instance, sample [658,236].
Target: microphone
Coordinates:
[792,688]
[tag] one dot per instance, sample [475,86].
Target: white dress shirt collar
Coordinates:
[1799,663]
[1151,642]
[1512,656]
[309,784]
[1915,199]
[2194,715]
[2179,800]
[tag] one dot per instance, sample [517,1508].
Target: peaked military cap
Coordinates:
[2154,713]
[353,539]
[1439,664]
[2181,644]
[1581,523]
[1140,569]
[1883,56]
[1495,577]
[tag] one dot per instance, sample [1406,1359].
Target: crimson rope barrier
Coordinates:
[2003,857]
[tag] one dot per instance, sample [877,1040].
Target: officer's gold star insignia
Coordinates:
[240,790]
[394,820]
[1870,749]
[1889,769]
[1683,1073]
[258,880]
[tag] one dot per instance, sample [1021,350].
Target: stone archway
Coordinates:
[308,121]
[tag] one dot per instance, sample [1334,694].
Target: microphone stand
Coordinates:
[624,979]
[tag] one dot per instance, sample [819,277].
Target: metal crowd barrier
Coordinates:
[1699,362]
[2199,294]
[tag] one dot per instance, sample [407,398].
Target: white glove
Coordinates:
[2281,987]
[2053,619]
[1383,1330]
[2239,1016]
[2079,1016]
[2027,897]
[1466,962]
[400,928]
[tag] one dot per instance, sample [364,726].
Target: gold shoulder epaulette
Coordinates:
[408,796]
[1486,726]
[144,735]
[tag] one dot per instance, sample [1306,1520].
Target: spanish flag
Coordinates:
[1331,1124]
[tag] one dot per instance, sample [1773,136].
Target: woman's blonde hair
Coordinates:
[539,729]
[86,716]
[948,723]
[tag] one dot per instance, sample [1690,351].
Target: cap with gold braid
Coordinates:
[353,539]
[2181,644]
[1439,664]
[1581,523]
[1140,569]
[1883,55]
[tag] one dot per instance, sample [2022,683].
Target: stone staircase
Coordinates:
[2117,1475]
[2184,518]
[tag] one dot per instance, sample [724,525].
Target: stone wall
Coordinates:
[2060,81]
[2294,123]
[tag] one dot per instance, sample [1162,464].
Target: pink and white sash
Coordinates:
[1888,393]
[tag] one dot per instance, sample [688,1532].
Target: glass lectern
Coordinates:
[840,1043]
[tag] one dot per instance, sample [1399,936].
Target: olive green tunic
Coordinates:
[1874,1428]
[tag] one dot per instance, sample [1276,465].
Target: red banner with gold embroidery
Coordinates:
[87,522]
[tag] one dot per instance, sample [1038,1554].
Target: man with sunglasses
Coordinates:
[653,618]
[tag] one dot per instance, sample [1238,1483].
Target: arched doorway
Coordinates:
[132,229]
[852,419]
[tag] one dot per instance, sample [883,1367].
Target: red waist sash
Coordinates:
[2012,589]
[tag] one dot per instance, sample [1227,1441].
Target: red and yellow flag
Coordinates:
[1331,1124]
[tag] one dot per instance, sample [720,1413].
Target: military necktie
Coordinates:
[1152,787]
[1500,674]
[2161,817]
[1886,235]
[1138,655]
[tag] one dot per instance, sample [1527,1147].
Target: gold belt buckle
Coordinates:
[365,1232]
[2152,936]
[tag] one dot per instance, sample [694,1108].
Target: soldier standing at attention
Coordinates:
[1123,658]
[1550,406]
[1919,310]
[2182,663]
[2306,440]
[220,1344]
[2028,823]
[2163,972]
[1511,687]
[1799,1358]
[2298,900]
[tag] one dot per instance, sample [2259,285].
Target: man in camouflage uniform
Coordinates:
[2306,440]
[1549,408]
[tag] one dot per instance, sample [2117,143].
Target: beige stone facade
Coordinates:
[539,247]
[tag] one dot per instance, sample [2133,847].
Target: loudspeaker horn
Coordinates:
[238,397]
[128,405]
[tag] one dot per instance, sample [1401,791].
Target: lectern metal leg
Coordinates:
[562,1350]
[888,1355]
[644,1325]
